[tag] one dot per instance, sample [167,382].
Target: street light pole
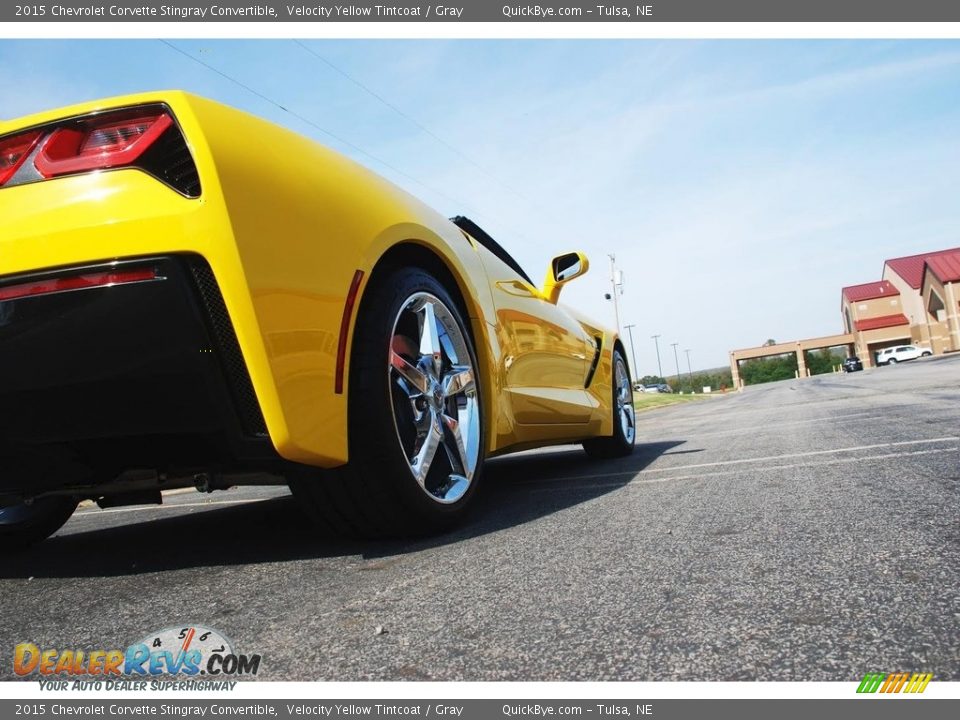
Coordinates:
[689,371]
[633,353]
[657,346]
[614,285]
[676,359]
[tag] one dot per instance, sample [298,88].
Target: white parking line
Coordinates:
[811,453]
[838,418]
[766,458]
[703,476]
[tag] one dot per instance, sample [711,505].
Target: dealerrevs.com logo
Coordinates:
[189,652]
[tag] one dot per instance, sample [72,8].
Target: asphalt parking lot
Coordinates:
[805,530]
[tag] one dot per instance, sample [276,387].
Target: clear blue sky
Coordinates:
[741,184]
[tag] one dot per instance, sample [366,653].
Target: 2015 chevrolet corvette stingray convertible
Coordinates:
[192,296]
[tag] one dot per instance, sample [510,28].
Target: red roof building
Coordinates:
[910,268]
[869,291]
[874,315]
[914,303]
[940,295]
[946,266]
[883,321]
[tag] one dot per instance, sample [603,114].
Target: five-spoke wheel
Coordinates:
[434,397]
[415,417]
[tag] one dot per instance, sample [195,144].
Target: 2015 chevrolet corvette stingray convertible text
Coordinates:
[190,295]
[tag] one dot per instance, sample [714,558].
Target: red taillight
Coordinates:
[76,282]
[100,142]
[14,151]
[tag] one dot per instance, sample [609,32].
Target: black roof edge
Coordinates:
[481,236]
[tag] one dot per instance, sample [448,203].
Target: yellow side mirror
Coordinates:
[563,269]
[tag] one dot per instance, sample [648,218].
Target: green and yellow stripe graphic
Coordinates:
[894,682]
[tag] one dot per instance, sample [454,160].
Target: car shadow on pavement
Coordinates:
[516,489]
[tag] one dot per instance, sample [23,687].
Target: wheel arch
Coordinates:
[413,254]
[618,345]
[417,254]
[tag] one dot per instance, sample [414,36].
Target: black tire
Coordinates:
[926,354]
[27,524]
[892,361]
[621,443]
[376,494]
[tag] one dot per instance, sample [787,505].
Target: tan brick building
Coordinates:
[916,302]
[940,292]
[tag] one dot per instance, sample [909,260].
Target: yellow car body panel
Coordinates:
[284,224]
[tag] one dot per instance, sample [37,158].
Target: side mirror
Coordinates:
[563,269]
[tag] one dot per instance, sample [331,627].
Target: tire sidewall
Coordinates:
[374,445]
[617,426]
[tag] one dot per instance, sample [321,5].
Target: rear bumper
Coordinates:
[145,374]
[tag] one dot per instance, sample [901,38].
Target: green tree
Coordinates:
[770,369]
[820,362]
[717,380]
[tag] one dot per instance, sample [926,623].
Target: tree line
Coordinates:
[717,380]
[783,367]
[752,372]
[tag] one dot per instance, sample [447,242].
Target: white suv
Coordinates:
[893,355]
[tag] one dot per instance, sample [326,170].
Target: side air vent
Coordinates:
[598,341]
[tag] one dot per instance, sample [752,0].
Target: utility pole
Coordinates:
[675,359]
[633,353]
[689,371]
[656,344]
[616,286]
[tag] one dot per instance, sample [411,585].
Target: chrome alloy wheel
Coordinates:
[624,399]
[434,397]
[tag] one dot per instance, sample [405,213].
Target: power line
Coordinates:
[411,120]
[303,119]
[457,203]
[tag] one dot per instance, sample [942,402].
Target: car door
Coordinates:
[545,353]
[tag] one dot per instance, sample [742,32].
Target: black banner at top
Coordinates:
[459,11]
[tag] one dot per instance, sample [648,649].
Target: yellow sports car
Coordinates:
[192,296]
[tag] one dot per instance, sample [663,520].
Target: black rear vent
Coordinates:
[169,160]
[229,349]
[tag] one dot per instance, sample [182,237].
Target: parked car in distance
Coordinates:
[852,364]
[658,388]
[900,353]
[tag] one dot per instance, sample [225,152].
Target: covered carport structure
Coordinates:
[798,347]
